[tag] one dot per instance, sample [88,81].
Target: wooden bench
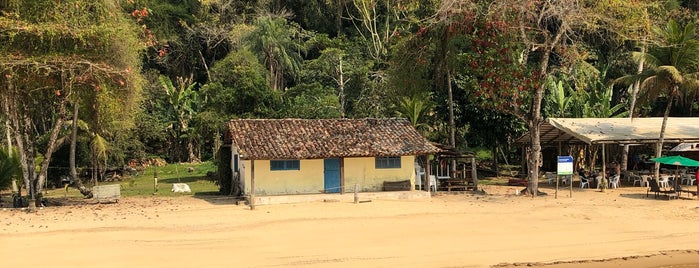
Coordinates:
[690,193]
[457,184]
[106,193]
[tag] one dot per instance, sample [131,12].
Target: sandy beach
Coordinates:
[617,228]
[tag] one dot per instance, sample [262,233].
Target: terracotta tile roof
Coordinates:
[325,138]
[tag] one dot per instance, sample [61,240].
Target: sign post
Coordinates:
[565,168]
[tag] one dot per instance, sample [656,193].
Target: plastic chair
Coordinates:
[550,177]
[635,178]
[614,182]
[687,178]
[419,176]
[584,182]
[433,182]
[644,180]
[663,181]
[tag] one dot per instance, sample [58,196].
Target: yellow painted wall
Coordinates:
[362,171]
[309,179]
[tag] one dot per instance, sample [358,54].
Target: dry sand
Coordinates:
[620,226]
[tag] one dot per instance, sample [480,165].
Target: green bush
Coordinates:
[9,168]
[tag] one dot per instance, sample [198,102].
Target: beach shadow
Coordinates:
[641,196]
[215,198]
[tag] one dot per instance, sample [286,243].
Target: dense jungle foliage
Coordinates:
[99,83]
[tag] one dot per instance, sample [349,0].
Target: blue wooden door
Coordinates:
[332,175]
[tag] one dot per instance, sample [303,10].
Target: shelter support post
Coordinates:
[427,173]
[604,169]
[252,184]
[342,176]
[474,173]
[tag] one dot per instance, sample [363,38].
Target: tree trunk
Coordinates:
[190,151]
[452,125]
[534,122]
[24,148]
[51,147]
[534,160]
[27,156]
[73,144]
[634,95]
[338,16]
[217,145]
[8,128]
[341,90]
[496,165]
[661,139]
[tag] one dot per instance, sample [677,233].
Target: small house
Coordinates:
[307,156]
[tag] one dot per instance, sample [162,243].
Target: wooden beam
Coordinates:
[252,184]
[342,175]
[604,169]
[474,173]
[427,174]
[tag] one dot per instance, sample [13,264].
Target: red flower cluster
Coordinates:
[139,14]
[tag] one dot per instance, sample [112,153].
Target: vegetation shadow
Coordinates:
[215,198]
[182,180]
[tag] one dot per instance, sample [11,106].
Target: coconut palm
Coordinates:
[672,68]
[279,46]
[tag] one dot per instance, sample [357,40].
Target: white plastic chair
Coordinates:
[550,177]
[614,182]
[433,182]
[644,180]
[687,178]
[419,176]
[635,178]
[584,182]
[663,181]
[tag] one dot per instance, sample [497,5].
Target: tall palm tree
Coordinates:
[279,46]
[672,67]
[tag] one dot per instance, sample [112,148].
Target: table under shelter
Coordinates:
[614,131]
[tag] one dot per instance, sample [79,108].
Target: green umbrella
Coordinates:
[677,161]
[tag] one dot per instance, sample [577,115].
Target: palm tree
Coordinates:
[672,67]
[279,47]
[416,109]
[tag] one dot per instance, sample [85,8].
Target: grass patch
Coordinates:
[142,184]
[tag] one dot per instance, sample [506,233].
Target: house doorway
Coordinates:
[331,173]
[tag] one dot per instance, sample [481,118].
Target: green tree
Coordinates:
[49,51]
[417,109]
[184,104]
[279,44]
[10,168]
[672,66]
[310,101]
[239,88]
